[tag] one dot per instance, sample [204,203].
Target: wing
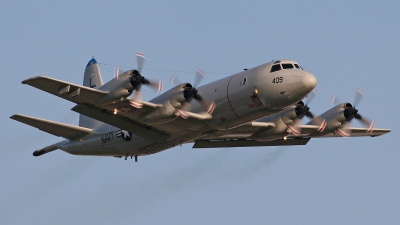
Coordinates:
[69,91]
[124,116]
[67,131]
[312,132]
[361,132]
[87,98]
[307,132]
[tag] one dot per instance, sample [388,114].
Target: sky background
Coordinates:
[345,44]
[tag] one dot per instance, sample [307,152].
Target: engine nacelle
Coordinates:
[281,121]
[176,95]
[334,118]
[117,88]
[171,100]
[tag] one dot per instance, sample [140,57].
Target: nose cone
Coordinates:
[309,81]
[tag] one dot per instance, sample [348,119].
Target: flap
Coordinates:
[248,143]
[121,121]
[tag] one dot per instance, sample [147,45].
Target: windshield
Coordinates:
[284,66]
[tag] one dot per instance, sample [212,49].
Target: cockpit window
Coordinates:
[276,67]
[287,66]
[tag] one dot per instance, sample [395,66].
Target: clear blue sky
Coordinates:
[345,44]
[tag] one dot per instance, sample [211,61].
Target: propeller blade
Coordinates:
[137,99]
[358,96]
[185,108]
[182,114]
[321,123]
[140,58]
[211,108]
[156,85]
[366,122]
[199,77]
[344,131]
[334,100]
[175,80]
[138,95]
[116,72]
[371,127]
[311,96]
[208,105]
[295,128]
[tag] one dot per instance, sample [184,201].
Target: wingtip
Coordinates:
[29,80]
[15,116]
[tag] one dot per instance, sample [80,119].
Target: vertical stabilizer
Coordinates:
[92,78]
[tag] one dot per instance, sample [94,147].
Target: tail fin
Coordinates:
[92,78]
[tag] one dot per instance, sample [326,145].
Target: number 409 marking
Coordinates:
[277,80]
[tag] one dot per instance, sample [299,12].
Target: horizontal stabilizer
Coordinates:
[248,143]
[67,131]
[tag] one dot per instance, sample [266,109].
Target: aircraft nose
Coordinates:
[309,81]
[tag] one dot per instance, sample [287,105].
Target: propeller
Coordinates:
[137,80]
[302,110]
[351,112]
[200,74]
[190,92]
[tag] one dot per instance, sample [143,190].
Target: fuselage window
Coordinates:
[275,68]
[297,66]
[287,66]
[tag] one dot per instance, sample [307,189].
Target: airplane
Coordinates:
[260,106]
